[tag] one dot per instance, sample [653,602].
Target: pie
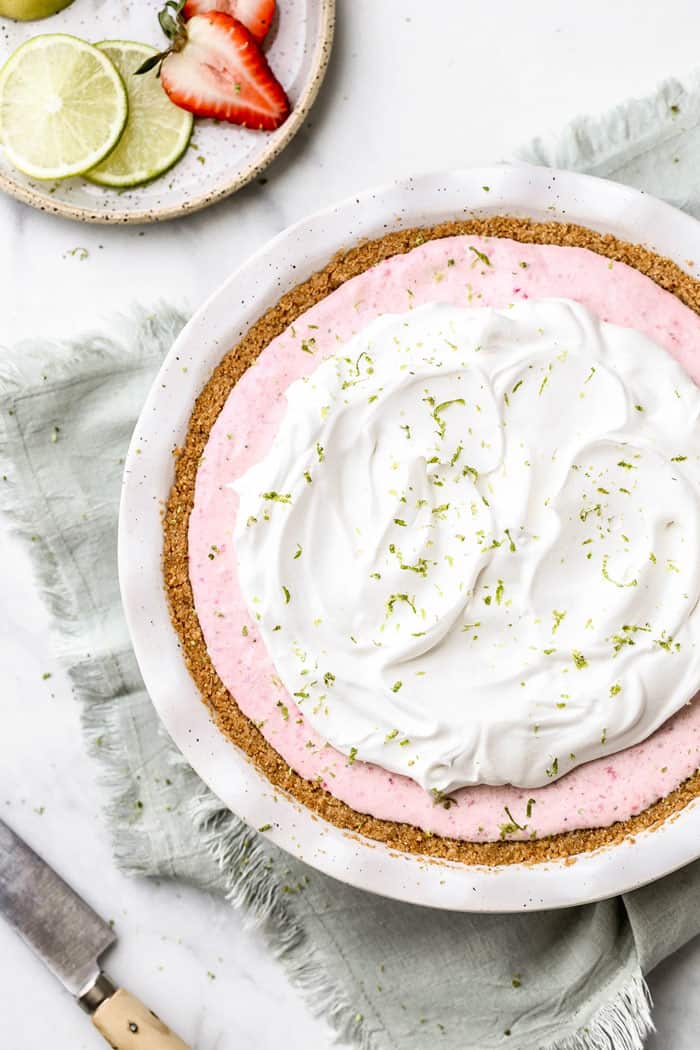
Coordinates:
[432,546]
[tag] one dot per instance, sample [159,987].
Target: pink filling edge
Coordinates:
[593,795]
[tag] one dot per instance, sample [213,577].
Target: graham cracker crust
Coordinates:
[225,711]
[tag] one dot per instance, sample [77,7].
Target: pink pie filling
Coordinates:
[448,271]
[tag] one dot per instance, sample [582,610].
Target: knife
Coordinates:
[69,937]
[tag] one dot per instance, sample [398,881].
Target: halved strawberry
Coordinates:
[214,68]
[255,15]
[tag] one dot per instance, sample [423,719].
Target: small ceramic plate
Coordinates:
[222,157]
[291,257]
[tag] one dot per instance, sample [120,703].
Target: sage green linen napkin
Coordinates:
[387,976]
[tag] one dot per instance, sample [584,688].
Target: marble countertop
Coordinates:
[448,96]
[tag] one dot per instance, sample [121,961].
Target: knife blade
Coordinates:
[64,931]
[69,937]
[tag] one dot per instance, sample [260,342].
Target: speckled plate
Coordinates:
[291,257]
[222,158]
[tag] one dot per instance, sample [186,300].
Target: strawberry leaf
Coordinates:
[150,63]
[168,23]
[173,25]
[171,21]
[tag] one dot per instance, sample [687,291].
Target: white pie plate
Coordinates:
[288,259]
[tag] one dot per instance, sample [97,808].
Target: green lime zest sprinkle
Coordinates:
[328,679]
[441,799]
[471,471]
[511,544]
[421,566]
[590,374]
[396,686]
[579,660]
[392,735]
[298,552]
[530,803]
[370,363]
[404,742]
[608,577]
[615,689]
[287,595]
[499,592]
[277,497]
[265,827]
[284,710]
[308,345]
[320,452]
[442,425]
[678,459]
[352,756]
[480,255]
[394,598]
[625,465]
[553,769]
[510,827]
[517,386]
[666,642]
[558,617]
[585,511]
[307,477]
[244,631]
[620,640]
[400,521]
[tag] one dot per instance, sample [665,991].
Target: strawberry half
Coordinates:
[214,68]
[255,15]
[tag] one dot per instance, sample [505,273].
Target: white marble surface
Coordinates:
[407,91]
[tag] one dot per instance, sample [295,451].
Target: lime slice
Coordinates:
[29,10]
[157,132]
[62,106]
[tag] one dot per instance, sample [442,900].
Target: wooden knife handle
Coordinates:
[127,1024]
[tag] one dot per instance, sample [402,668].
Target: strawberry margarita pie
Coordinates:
[433,547]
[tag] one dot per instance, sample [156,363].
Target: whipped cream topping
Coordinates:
[472,547]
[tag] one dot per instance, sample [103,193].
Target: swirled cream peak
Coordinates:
[472,548]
